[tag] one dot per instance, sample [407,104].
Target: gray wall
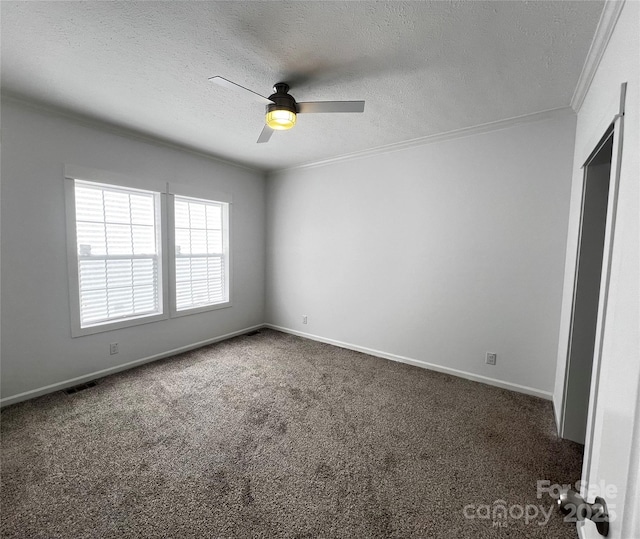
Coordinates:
[37,348]
[435,254]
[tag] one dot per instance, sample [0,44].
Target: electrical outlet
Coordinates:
[114,348]
[491,358]
[304,318]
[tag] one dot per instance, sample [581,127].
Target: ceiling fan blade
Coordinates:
[331,106]
[265,135]
[228,84]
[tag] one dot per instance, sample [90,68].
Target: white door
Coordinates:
[612,447]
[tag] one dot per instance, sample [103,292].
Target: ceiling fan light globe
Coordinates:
[281,119]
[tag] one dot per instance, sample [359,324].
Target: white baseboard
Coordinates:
[112,370]
[419,363]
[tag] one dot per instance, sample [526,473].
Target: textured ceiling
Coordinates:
[423,67]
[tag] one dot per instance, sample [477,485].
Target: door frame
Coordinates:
[617,125]
[608,135]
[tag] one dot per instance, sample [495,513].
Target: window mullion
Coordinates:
[133,250]
[106,250]
[190,255]
[206,242]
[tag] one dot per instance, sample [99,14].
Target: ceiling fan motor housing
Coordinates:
[281,99]
[282,109]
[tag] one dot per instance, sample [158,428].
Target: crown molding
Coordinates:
[88,121]
[606,25]
[440,137]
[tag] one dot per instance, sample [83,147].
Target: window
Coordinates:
[201,254]
[117,254]
[141,255]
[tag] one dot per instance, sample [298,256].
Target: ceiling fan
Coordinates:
[282,109]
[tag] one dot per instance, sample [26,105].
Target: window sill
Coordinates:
[198,310]
[111,326]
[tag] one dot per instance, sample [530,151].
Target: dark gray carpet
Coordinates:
[277,436]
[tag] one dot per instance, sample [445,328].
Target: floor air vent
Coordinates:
[252,333]
[81,387]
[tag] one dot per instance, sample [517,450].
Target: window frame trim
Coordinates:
[73,260]
[181,191]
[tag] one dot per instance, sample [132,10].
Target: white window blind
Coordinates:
[118,253]
[201,260]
